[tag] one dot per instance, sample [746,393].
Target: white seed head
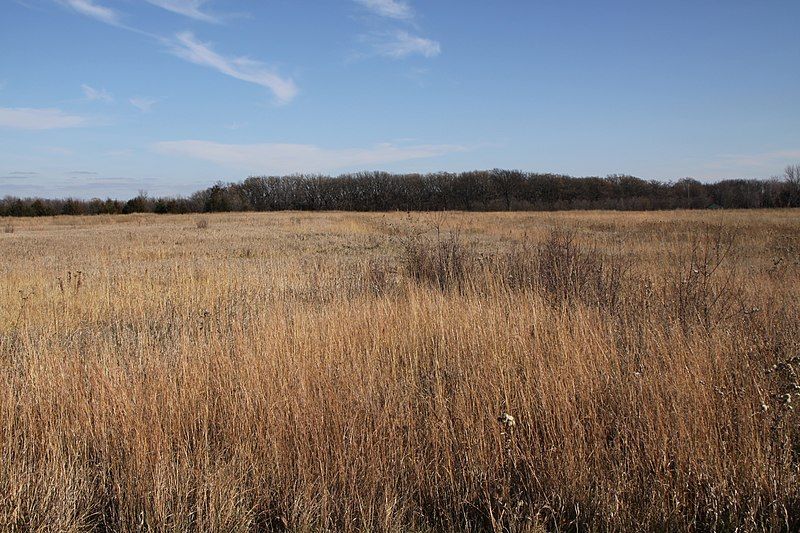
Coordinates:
[507,420]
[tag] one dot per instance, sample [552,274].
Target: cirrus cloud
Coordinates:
[188,8]
[396,9]
[751,164]
[93,10]
[400,44]
[145,105]
[284,158]
[93,94]
[27,118]
[187,47]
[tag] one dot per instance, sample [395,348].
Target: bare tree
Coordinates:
[792,174]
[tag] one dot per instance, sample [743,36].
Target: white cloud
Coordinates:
[188,8]
[754,160]
[144,105]
[25,118]
[762,164]
[396,9]
[756,164]
[19,175]
[121,152]
[276,158]
[187,47]
[93,10]
[58,150]
[93,94]
[400,44]
[396,44]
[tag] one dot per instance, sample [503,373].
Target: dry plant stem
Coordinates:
[388,372]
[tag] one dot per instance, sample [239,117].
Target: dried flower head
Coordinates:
[507,420]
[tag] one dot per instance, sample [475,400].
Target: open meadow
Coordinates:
[401,372]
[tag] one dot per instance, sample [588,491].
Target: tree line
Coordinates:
[480,190]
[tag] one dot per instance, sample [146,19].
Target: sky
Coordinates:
[107,98]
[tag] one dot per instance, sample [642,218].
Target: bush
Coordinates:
[567,272]
[702,290]
[443,261]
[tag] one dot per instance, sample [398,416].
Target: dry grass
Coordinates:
[350,372]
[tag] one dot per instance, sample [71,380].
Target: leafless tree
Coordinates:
[792,174]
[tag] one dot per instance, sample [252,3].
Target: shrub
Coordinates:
[702,289]
[443,261]
[518,266]
[567,272]
[378,276]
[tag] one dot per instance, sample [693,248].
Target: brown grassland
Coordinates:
[347,372]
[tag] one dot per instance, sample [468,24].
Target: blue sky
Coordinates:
[109,97]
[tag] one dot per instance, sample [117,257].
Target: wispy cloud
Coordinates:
[93,94]
[753,164]
[397,43]
[145,105]
[187,47]
[19,175]
[276,158]
[396,9]
[120,152]
[97,11]
[401,44]
[25,118]
[188,8]
[759,159]
[58,150]
[94,10]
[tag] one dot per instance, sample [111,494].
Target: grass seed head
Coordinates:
[507,420]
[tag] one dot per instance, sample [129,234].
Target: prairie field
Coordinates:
[396,372]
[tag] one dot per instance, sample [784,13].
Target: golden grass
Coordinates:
[288,371]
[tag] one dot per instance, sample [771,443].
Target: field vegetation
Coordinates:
[401,372]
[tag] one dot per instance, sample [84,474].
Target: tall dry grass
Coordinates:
[346,372]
